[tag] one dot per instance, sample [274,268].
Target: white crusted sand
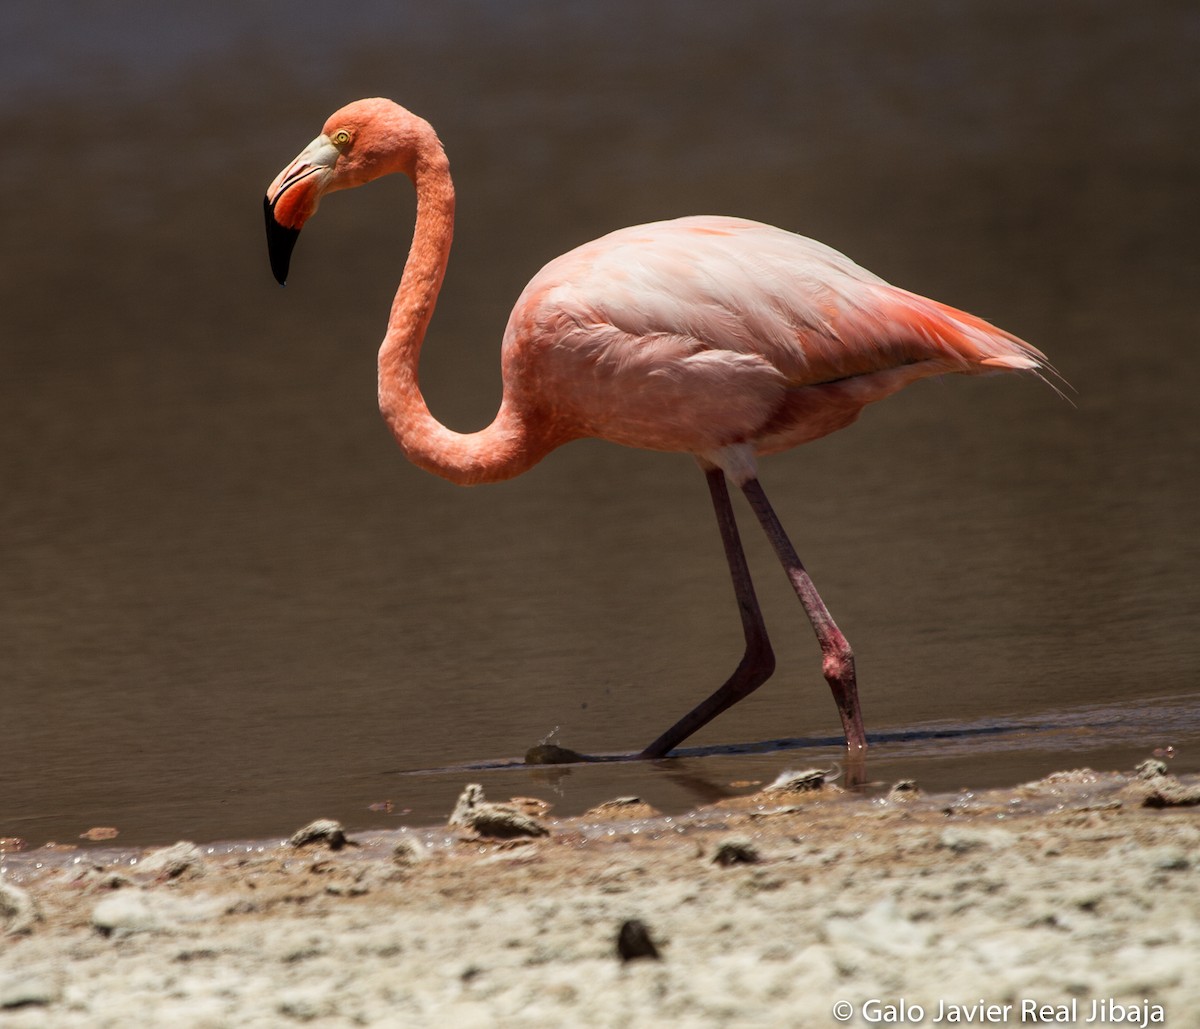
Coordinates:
[1067,890]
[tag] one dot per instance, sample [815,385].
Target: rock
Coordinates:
[634,941]
[487,819]
[323,830]
[21,989]
[100,833]
[407,851]
[125,913]
[18,910]
[804,781]
[1167,791]
[1151,768]
[621,807]
[552,754]
[183,860]
[736,851]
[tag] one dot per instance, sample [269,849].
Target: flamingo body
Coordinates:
[719,337]
[703,333]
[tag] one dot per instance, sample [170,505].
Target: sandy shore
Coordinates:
[1072,900]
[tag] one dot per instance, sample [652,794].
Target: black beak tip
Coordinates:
[280,241]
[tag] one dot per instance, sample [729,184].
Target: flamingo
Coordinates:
[718,337]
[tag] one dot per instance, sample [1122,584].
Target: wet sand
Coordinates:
[1070,900]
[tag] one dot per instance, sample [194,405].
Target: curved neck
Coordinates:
[506,447]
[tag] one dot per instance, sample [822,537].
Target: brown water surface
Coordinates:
[228,605]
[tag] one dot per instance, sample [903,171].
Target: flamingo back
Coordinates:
[702,332]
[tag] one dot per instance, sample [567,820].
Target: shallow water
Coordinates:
[227,603]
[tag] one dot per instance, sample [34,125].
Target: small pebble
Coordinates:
[634,942]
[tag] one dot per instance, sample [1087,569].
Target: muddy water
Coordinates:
[228,605]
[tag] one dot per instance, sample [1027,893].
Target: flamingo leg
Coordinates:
[758,661]
[837,657]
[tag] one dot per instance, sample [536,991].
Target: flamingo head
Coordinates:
[361,142]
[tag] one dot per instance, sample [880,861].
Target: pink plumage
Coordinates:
[707,332]
[719,337]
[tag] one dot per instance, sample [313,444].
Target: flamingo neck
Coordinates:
[503,449]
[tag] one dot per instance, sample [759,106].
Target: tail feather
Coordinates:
[975,344]
[1014,361]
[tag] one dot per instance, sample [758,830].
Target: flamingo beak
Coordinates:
[293,197]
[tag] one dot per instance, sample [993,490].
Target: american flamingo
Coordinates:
[722,338]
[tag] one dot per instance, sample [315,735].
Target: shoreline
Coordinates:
[790,906]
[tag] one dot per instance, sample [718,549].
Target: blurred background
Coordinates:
[227,603]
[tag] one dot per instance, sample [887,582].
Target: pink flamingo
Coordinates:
[719,337]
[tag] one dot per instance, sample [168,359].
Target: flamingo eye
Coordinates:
[340,138]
